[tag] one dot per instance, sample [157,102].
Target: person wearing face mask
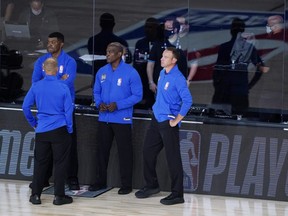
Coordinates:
[167,37]
[274,27]
[270,86]
[41,21]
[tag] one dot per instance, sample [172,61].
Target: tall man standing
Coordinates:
[117,89]
[173,100]
[67,74]
[53,127]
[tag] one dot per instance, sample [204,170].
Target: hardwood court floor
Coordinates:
[14,197]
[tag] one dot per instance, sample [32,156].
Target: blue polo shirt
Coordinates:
[54,103]
[173,95]
[66,65]
[122,86]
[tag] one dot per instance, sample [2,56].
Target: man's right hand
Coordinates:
[103,107]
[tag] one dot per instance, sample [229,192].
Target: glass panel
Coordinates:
[209,26]
[130,18]
[26,38]
[231,77]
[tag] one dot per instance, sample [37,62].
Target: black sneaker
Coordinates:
[35,199]
[147,192]
[96,187]
[124,190]
[73,184]
[62,200]
[172,199]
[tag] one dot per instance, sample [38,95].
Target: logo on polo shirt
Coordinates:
[103,78]
[61,69]
[166,86]
[119,82]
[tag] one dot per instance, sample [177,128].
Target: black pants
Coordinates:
[123,137]
[73,161]
[55,143]
[161,135]
[72,173]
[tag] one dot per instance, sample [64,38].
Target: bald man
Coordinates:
[53,127]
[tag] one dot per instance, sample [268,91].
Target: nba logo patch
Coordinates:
[61,69]
[103,77]
[119,82]
[166,85]
[190,155]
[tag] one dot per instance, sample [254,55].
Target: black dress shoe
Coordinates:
[96,187]
[147,192]
[73,184]
[124,190]
[172,199]
[35,199]
[62,200]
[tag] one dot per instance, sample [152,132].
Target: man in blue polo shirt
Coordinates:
[117,89]
[53,126]
[173,100]
[66,73]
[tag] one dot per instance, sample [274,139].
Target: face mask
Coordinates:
[168,33]
[268,29]
[36,12]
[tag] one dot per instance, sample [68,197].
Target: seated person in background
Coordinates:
[41,21]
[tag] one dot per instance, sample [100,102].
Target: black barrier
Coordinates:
[233,159]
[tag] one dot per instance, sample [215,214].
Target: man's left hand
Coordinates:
[173,123]
[112,107]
